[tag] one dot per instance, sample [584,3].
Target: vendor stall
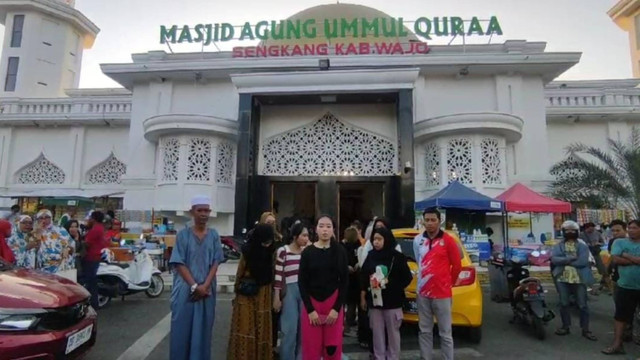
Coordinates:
[520,198]
[465,211]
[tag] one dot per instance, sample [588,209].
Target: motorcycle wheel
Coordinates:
[156,287]
[538,328]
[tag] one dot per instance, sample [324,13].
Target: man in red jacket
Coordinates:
[439,263]
[95,242]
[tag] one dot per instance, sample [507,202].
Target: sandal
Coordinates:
[563,331]
[589,336]
[610,350]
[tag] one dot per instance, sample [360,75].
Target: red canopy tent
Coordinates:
[521,198]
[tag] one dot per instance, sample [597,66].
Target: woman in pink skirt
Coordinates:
[323,280]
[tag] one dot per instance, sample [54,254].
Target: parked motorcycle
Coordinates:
[121,279]
[230,248]
[527,298]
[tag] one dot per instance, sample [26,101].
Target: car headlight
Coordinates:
[19,319]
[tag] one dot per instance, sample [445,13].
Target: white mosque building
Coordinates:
[349,135]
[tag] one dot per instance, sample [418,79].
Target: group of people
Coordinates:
[571,269]
[55,248]
[302,284]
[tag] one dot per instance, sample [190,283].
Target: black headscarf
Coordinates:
[388,250]
[259,258]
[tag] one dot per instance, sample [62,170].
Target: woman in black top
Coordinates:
[323,282]
[384,276]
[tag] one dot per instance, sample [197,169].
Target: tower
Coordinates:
[43,45]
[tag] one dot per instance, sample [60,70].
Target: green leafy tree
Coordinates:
[599,177]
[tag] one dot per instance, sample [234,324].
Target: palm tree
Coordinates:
[604,178]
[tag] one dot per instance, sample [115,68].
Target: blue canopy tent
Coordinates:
[457,196]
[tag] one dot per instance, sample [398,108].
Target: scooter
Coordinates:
[121,279]
[230,248]
[527,298]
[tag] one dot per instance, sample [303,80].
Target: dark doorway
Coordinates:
[359,201]
[294,200]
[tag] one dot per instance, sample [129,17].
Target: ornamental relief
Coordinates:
[459,160]
[109,171]
[40,171]
[329,147]
[170,150]
[491,162]
[199,160]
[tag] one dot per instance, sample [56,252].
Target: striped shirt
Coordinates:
[287,266]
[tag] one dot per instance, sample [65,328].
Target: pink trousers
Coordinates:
[322,341]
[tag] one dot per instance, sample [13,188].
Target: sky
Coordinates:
[132,26]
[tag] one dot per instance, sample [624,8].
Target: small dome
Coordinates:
[349,12]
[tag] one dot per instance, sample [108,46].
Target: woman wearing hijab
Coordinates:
[5,251]
[73,228]
[364,331]
[251,333]
[24,243]
[56,247]
[384,276]
[269,218]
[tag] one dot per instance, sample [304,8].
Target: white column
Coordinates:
[76,138]
[5,146]
[444,171]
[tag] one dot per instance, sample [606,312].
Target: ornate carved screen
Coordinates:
[329,147]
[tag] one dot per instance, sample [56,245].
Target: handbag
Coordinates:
[248,287]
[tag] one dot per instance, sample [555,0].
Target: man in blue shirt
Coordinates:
[625,254]
[195,259]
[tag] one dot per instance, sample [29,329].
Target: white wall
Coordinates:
[218,99]
[438,96]
[562,135]
[28,142]
[527,160]
[75,150]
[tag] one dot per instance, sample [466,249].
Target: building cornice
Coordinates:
[157,126]
[519,57]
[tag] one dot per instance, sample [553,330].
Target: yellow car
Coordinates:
[467,296]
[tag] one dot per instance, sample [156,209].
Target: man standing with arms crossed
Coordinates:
[195,260]
[439,263]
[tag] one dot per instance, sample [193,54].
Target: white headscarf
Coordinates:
[44,212]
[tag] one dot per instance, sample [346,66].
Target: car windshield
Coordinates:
[406,244]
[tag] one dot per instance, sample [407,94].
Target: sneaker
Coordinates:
[351,333]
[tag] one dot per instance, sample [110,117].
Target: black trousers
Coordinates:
[364,330]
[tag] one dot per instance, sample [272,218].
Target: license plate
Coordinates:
[411,307]
[531,296]
[76,340]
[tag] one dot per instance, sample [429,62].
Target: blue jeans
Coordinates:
[291,344]
[564,291]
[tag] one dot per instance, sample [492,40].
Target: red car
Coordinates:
[43,316]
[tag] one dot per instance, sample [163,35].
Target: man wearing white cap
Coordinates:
[195,259]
